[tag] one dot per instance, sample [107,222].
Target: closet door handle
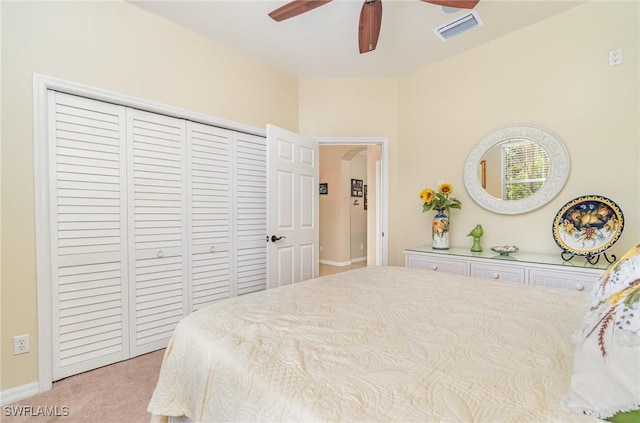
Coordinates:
[160,253]
[212,249]
[276,238]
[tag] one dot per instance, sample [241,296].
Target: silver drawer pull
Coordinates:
[579,287]
[160,253]
[434,267]
[212,249]
[496,276]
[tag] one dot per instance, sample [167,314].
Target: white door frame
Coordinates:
[383,205]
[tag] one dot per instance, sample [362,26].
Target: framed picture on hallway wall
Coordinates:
[356,188]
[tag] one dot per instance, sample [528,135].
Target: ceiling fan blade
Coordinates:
[295,8]
[458,4]
[370,22]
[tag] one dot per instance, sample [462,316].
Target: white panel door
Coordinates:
[292,192]
[250,189]
[88,230]
[210,224]
[158,273]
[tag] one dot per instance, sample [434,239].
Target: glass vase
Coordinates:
[440,231]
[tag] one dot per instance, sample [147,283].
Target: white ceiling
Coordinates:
[324,42]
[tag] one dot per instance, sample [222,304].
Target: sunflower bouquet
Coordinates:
[439,200]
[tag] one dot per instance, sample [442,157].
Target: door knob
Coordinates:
[276,238]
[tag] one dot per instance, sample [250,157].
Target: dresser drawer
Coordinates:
[437,264]
[571,279]
[498,272]
[527,268]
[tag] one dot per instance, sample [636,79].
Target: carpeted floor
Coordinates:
[118,393]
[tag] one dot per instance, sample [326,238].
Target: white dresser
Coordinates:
[533,269]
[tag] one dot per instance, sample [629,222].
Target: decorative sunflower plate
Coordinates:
[588,225]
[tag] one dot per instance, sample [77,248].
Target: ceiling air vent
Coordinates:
[458,26]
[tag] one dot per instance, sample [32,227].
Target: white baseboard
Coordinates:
[18,393]
[335,263]
[359,259]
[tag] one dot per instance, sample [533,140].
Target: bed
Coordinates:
[376,344]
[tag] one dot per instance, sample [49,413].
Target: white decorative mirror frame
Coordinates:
[560,164]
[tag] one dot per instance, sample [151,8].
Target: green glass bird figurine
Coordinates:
[476,233]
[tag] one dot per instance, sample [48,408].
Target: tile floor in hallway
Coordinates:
[326,269]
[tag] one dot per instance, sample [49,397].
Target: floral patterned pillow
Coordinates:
[606,363]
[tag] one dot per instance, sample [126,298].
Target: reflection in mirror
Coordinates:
[516,169]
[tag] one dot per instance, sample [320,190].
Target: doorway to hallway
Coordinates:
[353,203]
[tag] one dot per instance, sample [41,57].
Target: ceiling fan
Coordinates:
[370,16]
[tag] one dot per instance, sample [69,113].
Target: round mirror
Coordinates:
[516,169]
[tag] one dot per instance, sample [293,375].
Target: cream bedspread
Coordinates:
[376,344]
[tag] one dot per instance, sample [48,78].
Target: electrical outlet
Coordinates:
[20,344]
[615,57]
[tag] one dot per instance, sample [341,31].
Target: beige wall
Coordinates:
[554,74]
[355,108]
[118,47]
[334,207]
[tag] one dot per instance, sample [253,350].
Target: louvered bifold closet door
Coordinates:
[209,168]
[88,233]
[158,290]
[251,213]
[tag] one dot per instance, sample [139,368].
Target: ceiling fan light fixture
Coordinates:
[459,25]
